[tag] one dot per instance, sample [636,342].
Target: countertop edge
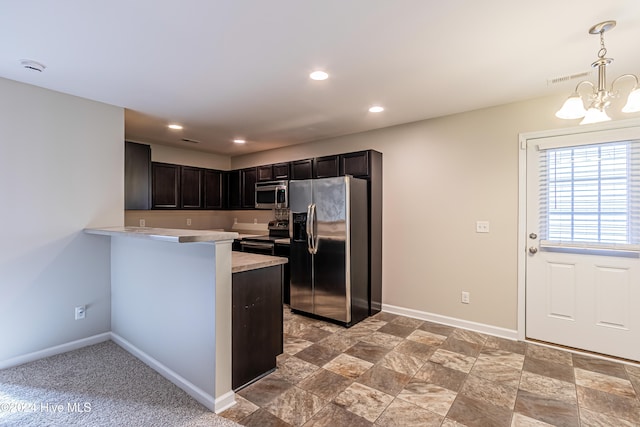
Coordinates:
[173,235]
[245,261]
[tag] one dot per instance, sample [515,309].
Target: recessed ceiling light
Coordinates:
[239,141]
[319,75]
[376,109]
[174,127]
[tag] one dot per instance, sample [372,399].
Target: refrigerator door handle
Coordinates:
[314,238]
[309,229]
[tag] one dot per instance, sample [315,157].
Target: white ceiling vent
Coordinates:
[563,79]
[32,65]
[193,141]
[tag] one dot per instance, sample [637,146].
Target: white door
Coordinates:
[582,268]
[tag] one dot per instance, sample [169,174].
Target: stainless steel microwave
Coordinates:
[272,195]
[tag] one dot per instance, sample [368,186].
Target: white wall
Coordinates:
[61,170]
[440,176]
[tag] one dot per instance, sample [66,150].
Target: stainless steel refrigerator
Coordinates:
[329,253]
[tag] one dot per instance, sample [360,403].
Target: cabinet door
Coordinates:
[256,323]
[326,167]
[265,173]
[191,188]
[302,169]
[165,191]
[233,191]
[355,164]
[249,178]
[137,176]
[212,189]
[281,171]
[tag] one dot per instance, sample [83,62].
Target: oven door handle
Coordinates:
[256,245]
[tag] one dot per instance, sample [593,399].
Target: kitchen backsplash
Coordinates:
[198,219]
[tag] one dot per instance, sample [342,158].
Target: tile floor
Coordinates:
[391,370]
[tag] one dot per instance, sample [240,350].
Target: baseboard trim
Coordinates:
[213,404]
[52,351]
[452,321]
[225,401]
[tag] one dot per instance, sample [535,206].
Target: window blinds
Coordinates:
[590,196]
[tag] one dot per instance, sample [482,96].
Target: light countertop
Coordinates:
[245,261]
[165,234]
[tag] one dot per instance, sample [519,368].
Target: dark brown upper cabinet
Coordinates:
[191,187]
[355,164]
[302,169]
[137,176]
[165,192]
[186,187]
[213,195]
[265,173]
[326,167]
[249,178]
[281,171]
[233,191]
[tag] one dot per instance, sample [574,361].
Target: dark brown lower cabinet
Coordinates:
[257,336]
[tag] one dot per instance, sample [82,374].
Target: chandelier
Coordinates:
[600,97]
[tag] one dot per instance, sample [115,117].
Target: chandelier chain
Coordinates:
[603,50]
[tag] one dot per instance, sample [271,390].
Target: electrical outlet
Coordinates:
[188,221]
[466,297]
[482,226]
[142,223]
[80,312]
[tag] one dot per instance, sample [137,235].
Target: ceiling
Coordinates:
[239,68]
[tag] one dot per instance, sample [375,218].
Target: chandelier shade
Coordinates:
[595,115]
[633,102]
[599,98]
[573,108]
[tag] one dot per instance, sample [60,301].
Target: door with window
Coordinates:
[583,241]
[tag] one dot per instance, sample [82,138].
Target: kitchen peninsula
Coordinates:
[171,305]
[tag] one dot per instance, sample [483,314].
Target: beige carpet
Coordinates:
[99,385]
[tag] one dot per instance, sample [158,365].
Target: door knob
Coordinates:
[533,236]
[533,250]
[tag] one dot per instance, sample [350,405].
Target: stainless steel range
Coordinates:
[275,243]
[278,232]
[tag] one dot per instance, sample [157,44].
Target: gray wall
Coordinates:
[163,303]
[61,170]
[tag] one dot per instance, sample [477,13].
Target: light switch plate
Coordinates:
[482,226]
